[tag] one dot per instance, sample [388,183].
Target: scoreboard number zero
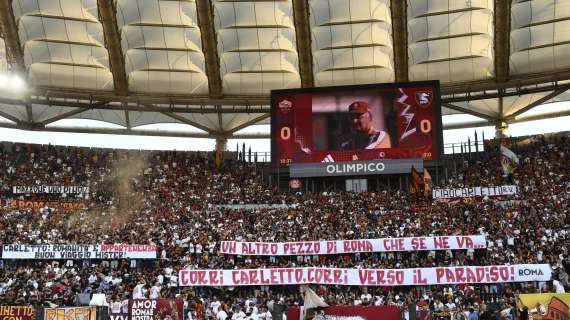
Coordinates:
[285,133]
[425,126]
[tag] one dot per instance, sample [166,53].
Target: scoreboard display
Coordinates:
[356,123]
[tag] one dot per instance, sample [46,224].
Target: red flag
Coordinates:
[428,183]
[415,182]
[218,157]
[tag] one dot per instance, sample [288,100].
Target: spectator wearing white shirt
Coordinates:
[438,305]
[155,291]
[238,314]
[139,290]
[92,278]
[450,305]
[558,286]
[264,314]
[221,314]
[215,305]
[254,311]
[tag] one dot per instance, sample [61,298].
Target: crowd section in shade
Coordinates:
[170,199]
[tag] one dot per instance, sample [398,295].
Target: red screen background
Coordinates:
[417,116]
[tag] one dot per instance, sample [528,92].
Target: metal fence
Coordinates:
[467,147]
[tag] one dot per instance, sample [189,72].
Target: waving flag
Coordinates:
[508,160]
[509,154]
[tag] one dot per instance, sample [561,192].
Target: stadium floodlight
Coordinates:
[16,82]
[3,81]
[12,83]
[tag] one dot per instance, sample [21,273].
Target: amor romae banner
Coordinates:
[150,309]
[79,251]
[366,277]
[353,246]
[474,192]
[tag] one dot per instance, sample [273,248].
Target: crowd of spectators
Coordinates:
[170,199]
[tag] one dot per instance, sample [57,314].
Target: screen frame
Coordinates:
[391,85]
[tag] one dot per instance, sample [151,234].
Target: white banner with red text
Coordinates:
[366,277]
[474,192]
[78,251]
[353,246]
[49,189]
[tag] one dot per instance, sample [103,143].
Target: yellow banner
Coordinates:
[546,306]
[73,313]
[17,313]
[38,204]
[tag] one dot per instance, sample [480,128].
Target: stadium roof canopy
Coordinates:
[212,63]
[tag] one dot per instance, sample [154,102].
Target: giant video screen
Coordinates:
[349,123]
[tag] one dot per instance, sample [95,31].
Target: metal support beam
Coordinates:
[10,117]
[10,33]
[127,119]
[108,18]
[136,107]
[538,102]
[502,20]
[519,81]
[501,129]
[179,118]
[542,116]
[220,118]
[475,124]
[534,117]
[400,36]
[26,126]
[204,104]
[501,126]
[452,92]
[247,124]
[222,144]
[138,132]
[80,109]
[468,111]
[501,108]
[303,35]
[63,116]
[29,113]
[187,121]
[210,47]
[181,99]
[496,93]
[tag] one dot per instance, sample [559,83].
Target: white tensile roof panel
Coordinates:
[450,41]
[81,10]
[351,41]
[540,36]
[161,43]
[64,52]
[116,117]
[63,43]
[256,46]
[16,111]
[70,76]
[435,7]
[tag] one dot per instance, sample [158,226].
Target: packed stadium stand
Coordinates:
[169,199]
